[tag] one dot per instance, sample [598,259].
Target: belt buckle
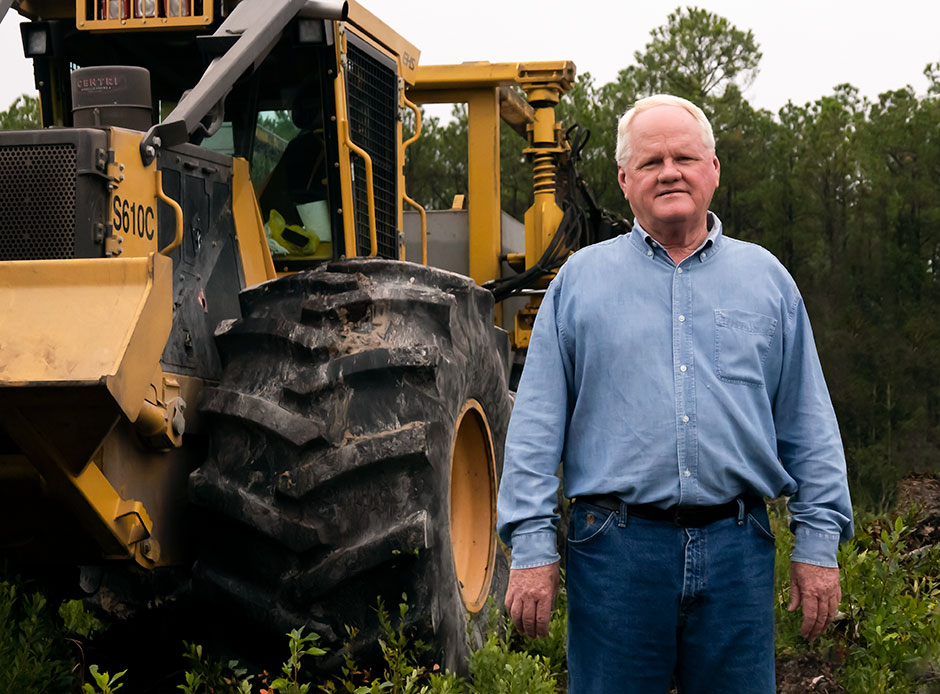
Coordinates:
[678,517]
[690,517]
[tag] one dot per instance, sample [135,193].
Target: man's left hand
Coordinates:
[817,589]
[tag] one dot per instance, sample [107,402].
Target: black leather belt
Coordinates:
[683,516]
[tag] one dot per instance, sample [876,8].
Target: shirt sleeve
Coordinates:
[810,447]
[526,514]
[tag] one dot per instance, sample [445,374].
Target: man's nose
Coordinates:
[669,171]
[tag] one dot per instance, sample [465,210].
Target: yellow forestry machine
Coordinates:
[214,356]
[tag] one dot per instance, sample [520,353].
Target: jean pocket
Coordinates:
[588,522]
[761,528]
[742,343]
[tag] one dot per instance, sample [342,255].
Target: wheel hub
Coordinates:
[473,505]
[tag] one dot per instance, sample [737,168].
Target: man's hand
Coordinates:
[817,588]
[530,596]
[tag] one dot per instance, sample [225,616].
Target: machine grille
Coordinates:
[37,201]
[372,97]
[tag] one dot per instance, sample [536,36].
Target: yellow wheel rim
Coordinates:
[473,505]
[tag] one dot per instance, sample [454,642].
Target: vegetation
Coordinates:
[22,114]
[33,658]
[886,639]
[41,650]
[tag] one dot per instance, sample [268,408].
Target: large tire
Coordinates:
[355,442]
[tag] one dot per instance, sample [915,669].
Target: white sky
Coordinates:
[808,46]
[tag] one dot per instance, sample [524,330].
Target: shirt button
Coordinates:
[704,255]
[683,368]
[682,319]
[685,418]
[679,270]
[688,474]
[649,252]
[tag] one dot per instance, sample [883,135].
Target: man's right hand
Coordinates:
[530,596]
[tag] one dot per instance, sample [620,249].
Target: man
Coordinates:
[674,373]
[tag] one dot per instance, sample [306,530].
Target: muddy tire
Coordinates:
[355,442]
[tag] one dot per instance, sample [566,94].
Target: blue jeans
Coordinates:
[651,604]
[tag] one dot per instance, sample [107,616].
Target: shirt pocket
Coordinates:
[742,343]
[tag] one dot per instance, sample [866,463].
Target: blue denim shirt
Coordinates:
[666,384]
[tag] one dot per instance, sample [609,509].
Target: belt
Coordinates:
[683,516]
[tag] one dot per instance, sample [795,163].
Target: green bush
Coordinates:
[104,682]
[212,675]
[886,638]
[79,621]
[34,654]
[891,598]
[498,669]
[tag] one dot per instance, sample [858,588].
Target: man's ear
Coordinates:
[717,169]
[622,180]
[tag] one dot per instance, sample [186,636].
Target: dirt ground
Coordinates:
[813,674]
[925,492]
[806,674]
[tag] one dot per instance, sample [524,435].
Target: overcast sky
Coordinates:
[809,46]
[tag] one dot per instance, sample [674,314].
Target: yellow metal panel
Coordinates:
[465,75]
[514,110]
[120,526]
[155,478]
[541,222]
[405,51]
[257,264]
[480,74]
[438,96]
[483,185]
[112,318]
[132,206]
[177,215]
[127,519]
[345,166]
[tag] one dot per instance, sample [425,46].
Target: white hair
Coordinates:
[623,126]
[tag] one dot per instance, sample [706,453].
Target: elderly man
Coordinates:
[674,373]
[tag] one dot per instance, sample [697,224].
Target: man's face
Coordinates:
[671,175]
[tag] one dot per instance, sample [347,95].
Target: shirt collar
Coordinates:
[709,246]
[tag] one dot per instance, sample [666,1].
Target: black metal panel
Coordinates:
[372,100]
[53,194]
[206,267]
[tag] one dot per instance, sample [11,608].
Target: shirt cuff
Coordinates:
[814,547]
[534,549]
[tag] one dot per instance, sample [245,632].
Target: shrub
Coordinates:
[34,655]
[887,635]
